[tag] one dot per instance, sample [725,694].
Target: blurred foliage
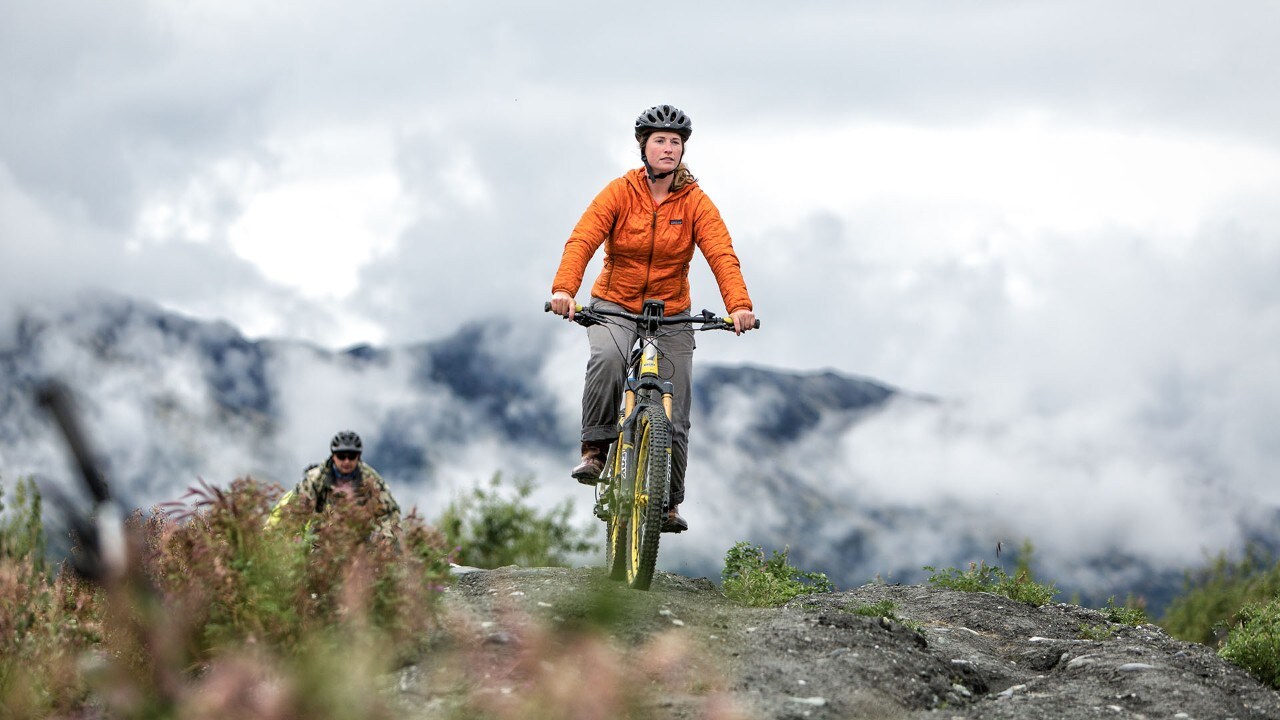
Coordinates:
[1213,595]
[491,528]
[22,528]
[221,616]
[1234,605]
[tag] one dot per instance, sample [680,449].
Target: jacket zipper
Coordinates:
[653,242]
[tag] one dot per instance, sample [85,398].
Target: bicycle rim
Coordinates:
[652,467]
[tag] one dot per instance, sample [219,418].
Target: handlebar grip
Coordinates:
[546,307]
[756,326]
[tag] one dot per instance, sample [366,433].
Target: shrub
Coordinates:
[491,530]
[981,577]
[1254,641]
[751,579]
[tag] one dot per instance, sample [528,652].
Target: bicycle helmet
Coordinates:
[664,117]
[346,441]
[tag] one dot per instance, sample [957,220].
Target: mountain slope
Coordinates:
[778,458]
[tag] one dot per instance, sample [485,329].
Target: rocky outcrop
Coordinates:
[939,654]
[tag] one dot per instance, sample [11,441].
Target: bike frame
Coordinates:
[626,495]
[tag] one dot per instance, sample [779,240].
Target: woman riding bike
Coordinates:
[649,221]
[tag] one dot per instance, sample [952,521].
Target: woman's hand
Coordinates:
[562,304]
[743,320]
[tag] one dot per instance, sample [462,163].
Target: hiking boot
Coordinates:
[673,523]
[588,471]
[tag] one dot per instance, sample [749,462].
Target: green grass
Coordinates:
[981,577]
[1096,632]
[1131,613]
[883,609]
[752,579]
[1128,614]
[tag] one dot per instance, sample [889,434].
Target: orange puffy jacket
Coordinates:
[648,247]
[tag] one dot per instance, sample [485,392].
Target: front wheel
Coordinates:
[649,488]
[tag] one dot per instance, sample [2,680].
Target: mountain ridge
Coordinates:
[170,399]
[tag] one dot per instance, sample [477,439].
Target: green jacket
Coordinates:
[318,483]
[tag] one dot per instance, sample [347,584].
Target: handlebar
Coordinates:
[586,316]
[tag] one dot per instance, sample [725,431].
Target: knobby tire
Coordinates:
[652,472]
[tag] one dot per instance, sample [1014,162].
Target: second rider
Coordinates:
[649,221]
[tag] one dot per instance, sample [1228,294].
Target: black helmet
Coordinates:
[664,117]
[346,441]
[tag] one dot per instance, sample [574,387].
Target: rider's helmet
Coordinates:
[346,441]
[663,117]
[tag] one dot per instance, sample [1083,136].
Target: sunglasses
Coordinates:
[346,455]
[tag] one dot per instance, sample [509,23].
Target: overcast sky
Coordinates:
[1067,210]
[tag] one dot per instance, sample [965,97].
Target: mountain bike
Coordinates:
[634,490]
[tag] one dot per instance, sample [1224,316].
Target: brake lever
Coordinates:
[586,318]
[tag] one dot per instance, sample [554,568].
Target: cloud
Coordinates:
[289,133]
[1058,217]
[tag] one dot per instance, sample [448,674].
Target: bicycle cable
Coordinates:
[665,331]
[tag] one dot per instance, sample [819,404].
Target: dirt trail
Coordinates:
[535,636]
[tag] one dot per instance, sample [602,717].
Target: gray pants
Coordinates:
[606,370]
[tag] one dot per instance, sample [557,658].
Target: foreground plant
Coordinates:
[46,623]
[752,579]
[223,617]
